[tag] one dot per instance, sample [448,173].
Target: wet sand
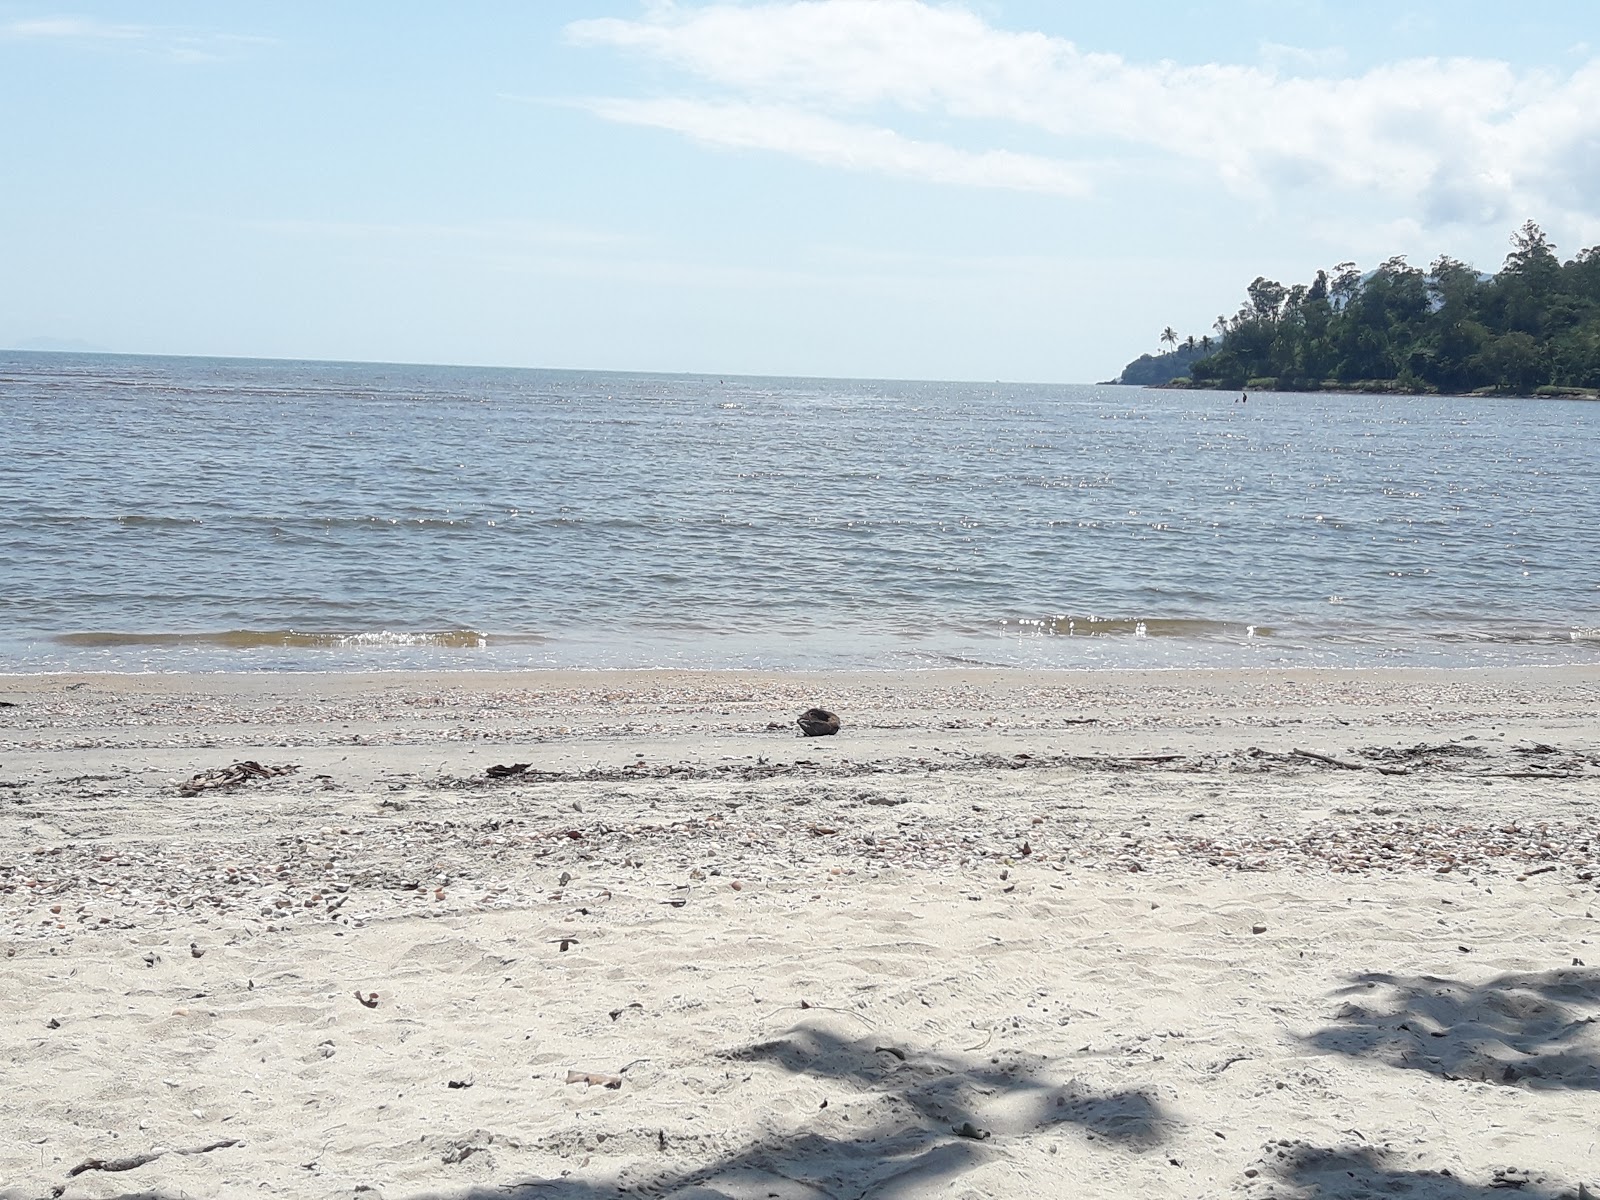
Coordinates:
[1009,933]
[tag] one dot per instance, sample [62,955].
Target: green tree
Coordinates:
[1449,328]
[1512,361]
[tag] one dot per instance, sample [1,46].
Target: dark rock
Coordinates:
[817,722]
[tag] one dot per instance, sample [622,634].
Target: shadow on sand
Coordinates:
[1538,1030]
[903,1123]
[1345,1174]
[897,1123]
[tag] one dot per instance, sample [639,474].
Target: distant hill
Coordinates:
[1152,370]
[1530,329]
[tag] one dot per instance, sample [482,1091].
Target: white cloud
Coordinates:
[501,233]
[73,28]
[837,81]
[143,39]
[821,139]
[1291,59]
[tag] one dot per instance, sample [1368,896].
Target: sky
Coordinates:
[978,190]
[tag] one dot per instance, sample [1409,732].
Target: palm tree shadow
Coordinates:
[1008,1095]
[1361,1172]
[907,1124]
[900,1123]
[1541,1030]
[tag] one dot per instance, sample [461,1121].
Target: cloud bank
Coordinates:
[838,82]
[175,44]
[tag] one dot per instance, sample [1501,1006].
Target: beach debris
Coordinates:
[232,776]
[1510,1177]
[817,722]
[459,1149]
[458,1084]
[592,1079]
[132,1161]
[370,1000]
[506,770]
[1332,762]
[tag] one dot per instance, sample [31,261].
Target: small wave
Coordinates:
[1517,635]
[1192,628]
[260,639]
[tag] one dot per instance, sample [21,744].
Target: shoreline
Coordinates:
[1370,387]
[1179,932]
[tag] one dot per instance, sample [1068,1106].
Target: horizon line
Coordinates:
[365,362]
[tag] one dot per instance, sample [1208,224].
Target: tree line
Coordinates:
[1531,328]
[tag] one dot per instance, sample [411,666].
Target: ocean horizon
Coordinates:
[166,514]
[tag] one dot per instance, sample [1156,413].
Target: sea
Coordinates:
[201,514]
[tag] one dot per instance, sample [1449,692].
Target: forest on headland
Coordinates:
[1533,328]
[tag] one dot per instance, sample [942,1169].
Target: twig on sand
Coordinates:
[1332,762]
[988,1037]
[138,1160]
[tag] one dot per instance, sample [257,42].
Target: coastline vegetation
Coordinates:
[1532,329]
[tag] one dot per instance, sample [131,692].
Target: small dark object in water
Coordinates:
[817,722]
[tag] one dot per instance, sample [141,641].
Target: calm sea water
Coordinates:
[166,513]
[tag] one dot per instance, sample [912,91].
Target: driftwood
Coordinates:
[232,776]
[1332,762]
[139,1160]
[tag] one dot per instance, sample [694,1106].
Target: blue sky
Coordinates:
[983,190]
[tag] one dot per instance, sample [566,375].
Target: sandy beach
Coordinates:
[576,935]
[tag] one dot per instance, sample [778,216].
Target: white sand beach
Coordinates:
[1009,934]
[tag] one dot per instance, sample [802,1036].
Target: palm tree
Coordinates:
[1169,337]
